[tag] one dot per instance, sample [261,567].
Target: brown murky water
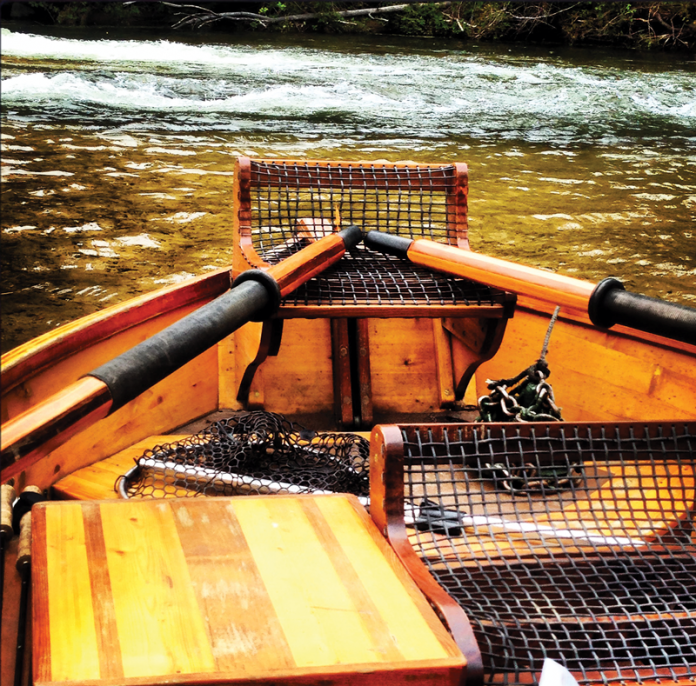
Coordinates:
[117,167]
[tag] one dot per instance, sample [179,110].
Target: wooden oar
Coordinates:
[255,296]
[605,304]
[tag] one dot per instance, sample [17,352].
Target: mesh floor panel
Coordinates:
[367,277]
[408,201]
[574,542]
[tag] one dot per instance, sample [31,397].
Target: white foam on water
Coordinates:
[428,95]
[90,226]
[142,240]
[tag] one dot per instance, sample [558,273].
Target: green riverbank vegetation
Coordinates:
[639,25]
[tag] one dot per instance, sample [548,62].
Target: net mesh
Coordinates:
[407,201]
[254,453]
[367,277]
[574,542]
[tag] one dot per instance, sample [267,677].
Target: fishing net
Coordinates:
[254,453]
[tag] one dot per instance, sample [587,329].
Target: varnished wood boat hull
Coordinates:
[596,374]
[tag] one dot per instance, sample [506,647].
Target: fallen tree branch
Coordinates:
[531,17]
[206,16]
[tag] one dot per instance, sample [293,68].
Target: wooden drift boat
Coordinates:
[401,330]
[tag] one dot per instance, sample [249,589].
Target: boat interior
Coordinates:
[501,544]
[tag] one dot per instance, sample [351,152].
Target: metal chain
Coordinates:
[527,397]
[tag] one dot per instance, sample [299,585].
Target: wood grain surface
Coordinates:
[276,589]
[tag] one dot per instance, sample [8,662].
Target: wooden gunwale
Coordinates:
[35,356]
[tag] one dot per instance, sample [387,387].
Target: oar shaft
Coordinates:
[604,305]
[610,304]
[295,270]
[24,569]
[517,278]
[30,496]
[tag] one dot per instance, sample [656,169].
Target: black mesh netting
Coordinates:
[411,201]
[569,541]
[254,453]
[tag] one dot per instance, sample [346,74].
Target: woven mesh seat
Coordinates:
[368,278]
[569,541]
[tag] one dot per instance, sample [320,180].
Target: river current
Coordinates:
[118,150]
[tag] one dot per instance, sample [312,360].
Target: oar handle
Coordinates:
[605,304]
[255,295]
[7,497]
[30,496]
[24,547]
[22,523]
[611,304]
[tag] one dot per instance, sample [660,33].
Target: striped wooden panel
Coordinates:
[278,589]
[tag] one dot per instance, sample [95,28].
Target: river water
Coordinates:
[118,149]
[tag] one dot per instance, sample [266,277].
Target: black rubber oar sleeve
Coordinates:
[388,243]
[141,367]
[610,304]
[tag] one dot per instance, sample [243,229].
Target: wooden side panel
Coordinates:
[300,378]
[597,375]
[404,373]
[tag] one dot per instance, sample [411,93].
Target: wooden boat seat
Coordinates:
[569,541]
[281,204]
[269,590]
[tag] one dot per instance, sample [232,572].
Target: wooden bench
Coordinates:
[374,333]
[569,541]
[269,590]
